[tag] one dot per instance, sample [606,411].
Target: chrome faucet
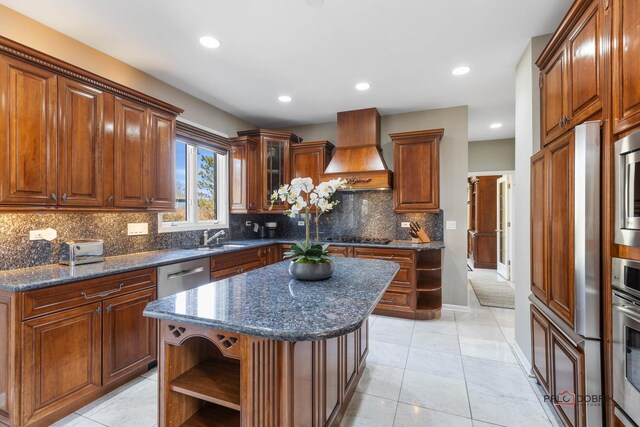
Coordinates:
[216,236]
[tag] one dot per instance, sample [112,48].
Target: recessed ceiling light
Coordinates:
[459,71]
[363,86]
[284,98]
[495,125]
[210,42]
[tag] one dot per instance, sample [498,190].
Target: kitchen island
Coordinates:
[263,349]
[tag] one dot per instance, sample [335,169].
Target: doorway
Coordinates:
[490,234]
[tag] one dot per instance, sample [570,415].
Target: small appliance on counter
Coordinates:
[271,229]
[81,251]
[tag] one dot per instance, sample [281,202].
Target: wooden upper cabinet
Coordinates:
[162,189]
[625,57]
[417,170]
[68,143]
[310,159]
[570,79]
[560,227]
[583,67]
[553,97]
[538,226]
[274,157]
[132,163]
[28,134]
[80,144]
[262,172]
[244,179]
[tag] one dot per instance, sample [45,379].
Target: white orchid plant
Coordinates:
[304,198]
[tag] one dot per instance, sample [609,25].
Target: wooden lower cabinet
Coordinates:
[540,335]
[61,360]
[128,338]
[567,379]
[244,380]
[559,367]
[65,346]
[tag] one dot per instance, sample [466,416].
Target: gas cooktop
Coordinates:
[353,239]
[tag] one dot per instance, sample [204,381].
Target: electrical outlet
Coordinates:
[247,223]
[138,229]
[451,225]
[405,224]
[49,234]
[301,223]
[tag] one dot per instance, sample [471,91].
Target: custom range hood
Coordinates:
[358,155]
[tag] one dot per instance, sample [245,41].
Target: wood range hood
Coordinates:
[358,154]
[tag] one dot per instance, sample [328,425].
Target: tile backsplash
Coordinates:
[363,214]
[16,251]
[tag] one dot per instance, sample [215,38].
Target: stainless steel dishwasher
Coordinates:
[183,276]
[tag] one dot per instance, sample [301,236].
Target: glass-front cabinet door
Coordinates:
[275,167]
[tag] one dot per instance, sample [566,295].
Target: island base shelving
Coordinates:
[210,377]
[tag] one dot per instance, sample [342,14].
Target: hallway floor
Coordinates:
[459,370]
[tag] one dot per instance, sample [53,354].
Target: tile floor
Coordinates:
[455,371]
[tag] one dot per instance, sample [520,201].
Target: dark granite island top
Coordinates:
[269,303]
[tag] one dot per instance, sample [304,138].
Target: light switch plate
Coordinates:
[138,228]
[301,223]
[405,224]
[247,223]
[451,225]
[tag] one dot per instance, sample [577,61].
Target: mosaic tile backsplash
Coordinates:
[364,214]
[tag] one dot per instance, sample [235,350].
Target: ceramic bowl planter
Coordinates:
[311,271]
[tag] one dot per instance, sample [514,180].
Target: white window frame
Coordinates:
[222,177]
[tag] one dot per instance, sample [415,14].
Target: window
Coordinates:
[201,189]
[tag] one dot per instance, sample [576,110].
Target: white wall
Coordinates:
[492,156]
[38,36]
[527,143]
[453,180]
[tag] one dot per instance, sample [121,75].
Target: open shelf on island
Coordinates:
[429,260]
[212,380]
[213,415]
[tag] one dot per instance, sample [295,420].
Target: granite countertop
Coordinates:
[269,303]
[25,279]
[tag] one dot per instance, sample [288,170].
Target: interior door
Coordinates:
[503,224]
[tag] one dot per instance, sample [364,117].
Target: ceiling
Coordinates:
[405,49]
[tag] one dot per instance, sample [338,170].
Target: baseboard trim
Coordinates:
[522,359]
[454,307]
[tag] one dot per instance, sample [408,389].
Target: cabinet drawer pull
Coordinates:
[99,310]
[54,197]
[384,257]
[386,301]
[102,294]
